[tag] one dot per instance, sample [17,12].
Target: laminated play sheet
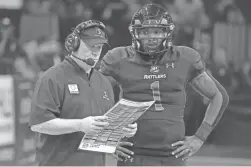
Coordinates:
[120,115]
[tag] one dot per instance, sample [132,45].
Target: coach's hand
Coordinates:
[188,147]
[130,130]
[122,152]
[93,124]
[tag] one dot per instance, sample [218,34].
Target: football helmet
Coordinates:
[151,15]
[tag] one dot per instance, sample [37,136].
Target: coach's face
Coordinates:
[92,41]
[87,51]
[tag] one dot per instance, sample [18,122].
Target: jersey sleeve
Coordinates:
[110,64]
[197,65]
[46,102]
[107,66]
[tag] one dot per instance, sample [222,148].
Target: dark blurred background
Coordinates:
[32,34]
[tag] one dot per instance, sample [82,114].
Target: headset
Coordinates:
[72,41]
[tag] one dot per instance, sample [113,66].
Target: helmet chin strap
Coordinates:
[156,51]
[155,56]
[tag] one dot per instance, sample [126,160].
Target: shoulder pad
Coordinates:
[190,54]
[117,54]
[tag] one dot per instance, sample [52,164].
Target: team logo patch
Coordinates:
[73,88]
[105,96]
[170,65]
[154,69]
[99,33]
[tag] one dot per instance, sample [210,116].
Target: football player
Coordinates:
[154,69]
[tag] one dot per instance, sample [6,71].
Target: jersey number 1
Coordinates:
[156,96]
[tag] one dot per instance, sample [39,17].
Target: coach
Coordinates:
[69,101]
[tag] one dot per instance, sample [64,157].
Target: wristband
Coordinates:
[204,131]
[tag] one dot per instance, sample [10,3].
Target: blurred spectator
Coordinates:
[119,22]
[13,58]
[203,46]
[43,53]
[247,72]
[191,13]
[227,11]
[12,9]
[220,68]
[221,5]
[70,14]
[37,6]
[234,15]
[99,9]
[188,15]
[132,7]
[243,75]
[38,20]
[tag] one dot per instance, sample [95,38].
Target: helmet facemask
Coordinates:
[151,18]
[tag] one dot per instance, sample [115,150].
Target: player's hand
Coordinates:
[130,130]
[93,124]
[188,147]
[122,152]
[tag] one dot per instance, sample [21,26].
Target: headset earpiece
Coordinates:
[70,42]
[76,41]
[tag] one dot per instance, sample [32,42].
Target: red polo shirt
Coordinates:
[66,92]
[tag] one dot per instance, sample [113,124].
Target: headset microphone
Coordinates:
[88,61]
